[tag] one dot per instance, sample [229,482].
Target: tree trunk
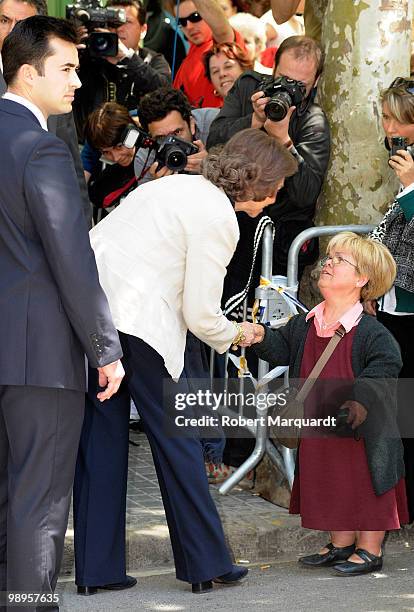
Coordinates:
[367,44]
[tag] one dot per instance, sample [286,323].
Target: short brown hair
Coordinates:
[249,165]
[372,259]
[106,124]
[231,50]
[302,46]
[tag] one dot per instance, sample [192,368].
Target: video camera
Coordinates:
[283,93]
[91,15]
[170,151]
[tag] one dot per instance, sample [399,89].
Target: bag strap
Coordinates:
[320,364]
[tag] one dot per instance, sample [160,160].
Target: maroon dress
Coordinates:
[333,489]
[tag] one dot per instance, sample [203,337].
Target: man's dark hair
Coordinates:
[157,104]
[302,47]
[39,5]
[28,43]
[141,12]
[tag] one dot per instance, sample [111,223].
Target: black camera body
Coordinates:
[170,151]
[283,93]
[92,15]
[398,143]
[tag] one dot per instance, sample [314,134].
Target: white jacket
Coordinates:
[162,258]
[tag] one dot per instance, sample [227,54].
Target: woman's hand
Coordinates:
[253,333]
[403,166]
[357,413]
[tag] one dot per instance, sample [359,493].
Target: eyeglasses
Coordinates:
[400,82]
[192,18]
[336,260]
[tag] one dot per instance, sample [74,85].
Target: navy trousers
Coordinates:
[197,537]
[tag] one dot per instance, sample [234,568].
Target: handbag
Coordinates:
[289,436]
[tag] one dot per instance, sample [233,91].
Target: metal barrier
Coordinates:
[282,457]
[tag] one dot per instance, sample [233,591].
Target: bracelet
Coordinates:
[240,337]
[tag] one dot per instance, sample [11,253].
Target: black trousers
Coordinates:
[197,537]
[402,328]
[39,438]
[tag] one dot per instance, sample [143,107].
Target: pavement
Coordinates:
[260,535]
[281,585]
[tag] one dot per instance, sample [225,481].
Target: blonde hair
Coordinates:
[372,259]
[400,103]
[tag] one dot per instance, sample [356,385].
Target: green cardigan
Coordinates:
[376,362]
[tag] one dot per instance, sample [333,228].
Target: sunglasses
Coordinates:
[192,18]
[402,83]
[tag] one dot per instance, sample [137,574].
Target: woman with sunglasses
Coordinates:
[351,485]
[396,231]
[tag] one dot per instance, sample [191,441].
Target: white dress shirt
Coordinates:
[162,258]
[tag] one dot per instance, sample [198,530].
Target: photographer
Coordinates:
[304,131]
[396,231]
[125,76]
[167,112]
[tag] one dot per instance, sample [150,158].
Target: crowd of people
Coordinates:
[175,148]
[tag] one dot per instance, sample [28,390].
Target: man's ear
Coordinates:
[27,74]
[144,30]
[192,126]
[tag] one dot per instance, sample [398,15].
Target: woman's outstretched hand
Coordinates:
[253,333]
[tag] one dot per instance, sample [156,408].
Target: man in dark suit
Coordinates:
[52,308]
[12,11]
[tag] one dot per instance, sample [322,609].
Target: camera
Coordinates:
[398,143]
[92,15]
[170,151]
[283,93]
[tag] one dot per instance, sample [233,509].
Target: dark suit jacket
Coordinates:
[52,308]
[64,127]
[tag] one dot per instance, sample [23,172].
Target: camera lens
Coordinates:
[176,159]
[277,107]
[101,43]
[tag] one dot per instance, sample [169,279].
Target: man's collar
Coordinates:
[29,105]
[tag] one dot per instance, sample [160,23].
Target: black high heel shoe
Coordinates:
[333,556]
[234,577]
[128,583]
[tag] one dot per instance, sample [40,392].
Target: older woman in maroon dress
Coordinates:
[351,486]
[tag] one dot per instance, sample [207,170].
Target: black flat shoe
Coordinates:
[333,556]
[372,563]
[116,586]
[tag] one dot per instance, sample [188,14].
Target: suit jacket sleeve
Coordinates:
[53,200]
[208,254]
[65,129]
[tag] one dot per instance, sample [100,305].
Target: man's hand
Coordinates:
[280,129]
[194,160]
[357,413]
[259,102]
[403,166]
[110,376]
[156,174]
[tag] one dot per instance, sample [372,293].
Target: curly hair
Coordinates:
[157,104]
[230,50]
[106,124]
[249,165]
